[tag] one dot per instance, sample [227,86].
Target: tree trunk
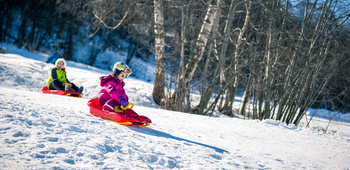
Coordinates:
[159,78]
[131,52]
[22,28]
[31,35]
[201,43]
[61,25]
[3,13]
[231,94]
[205,96]
[268,76]
[70,41]
[290,69]
[246,95]
[178,104]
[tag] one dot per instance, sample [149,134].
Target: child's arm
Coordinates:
[112,90]
[54,74]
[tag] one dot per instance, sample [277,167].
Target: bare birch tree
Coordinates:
[232,90]
[201,43]
[294,86]
[159,77]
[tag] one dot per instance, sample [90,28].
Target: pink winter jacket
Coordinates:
[112,88]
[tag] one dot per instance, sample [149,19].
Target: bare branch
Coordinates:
[115,27]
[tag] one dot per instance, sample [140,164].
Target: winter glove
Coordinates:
[68,84]
[129,106]
[124,103]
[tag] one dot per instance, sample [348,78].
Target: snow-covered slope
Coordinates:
[43,131]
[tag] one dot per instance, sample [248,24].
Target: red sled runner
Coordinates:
[128,117]
[71,92]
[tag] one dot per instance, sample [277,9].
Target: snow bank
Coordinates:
[43,131]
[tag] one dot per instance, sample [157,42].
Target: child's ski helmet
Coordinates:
[63,60]
[119,66]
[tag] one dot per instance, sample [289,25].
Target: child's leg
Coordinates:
[56,85]
[74,87]
[130,113]
[110,105]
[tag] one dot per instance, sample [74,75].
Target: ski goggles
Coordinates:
[126,69]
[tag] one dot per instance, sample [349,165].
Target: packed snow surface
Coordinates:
[45,131]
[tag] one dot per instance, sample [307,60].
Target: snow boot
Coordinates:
[80,89]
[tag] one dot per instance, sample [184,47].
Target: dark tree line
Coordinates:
[43,25]
[35,25]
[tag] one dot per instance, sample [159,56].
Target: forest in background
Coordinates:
[286,56]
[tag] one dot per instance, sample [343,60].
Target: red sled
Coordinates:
[71,92]
[128,116]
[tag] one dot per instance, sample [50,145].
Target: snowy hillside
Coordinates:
[43,131]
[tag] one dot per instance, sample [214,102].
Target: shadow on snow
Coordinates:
[157,133]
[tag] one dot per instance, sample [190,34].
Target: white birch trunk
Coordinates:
[178,105]
[204,95]
[201,41]
[230,96]
[159,78]
[269,65]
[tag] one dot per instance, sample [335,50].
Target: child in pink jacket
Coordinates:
[112,95]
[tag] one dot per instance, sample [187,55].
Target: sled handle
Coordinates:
[129,106]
